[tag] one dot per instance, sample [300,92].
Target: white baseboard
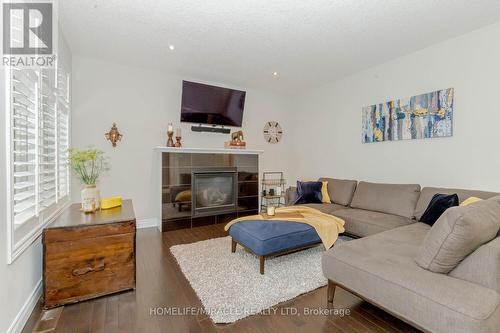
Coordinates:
[26,310]
[146,223]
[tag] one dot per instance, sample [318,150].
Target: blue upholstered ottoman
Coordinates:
[269,238]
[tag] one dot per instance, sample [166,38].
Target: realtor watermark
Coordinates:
[29,34]
[281,311]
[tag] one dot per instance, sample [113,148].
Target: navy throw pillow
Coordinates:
[439,203]
[308,192]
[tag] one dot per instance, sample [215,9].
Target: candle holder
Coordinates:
[178,143]
[178,138]
[170,141]
[170,134]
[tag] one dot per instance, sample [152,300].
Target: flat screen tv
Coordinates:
[206,104]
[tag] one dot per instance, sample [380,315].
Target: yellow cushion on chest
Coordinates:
[112,202]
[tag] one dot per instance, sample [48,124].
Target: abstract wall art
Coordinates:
[419,117]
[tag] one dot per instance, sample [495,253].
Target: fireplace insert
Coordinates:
[214,191]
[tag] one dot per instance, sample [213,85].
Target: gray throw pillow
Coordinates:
[457,233]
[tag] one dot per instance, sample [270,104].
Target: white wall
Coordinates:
[331,116]
[142,102]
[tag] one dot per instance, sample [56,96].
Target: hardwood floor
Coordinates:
[160,283]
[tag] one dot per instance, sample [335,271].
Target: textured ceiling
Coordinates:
[243,42]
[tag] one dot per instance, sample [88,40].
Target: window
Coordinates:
[39,127]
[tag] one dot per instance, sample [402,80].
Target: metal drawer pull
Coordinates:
[84,270]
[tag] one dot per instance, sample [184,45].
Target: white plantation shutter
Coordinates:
[47,157]
[63,132]
[39,139]
[24,108]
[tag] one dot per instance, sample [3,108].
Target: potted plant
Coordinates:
[87,165]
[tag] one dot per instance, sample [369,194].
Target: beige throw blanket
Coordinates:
[327,226]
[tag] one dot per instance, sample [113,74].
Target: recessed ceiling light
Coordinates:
[171,47]
[275,73]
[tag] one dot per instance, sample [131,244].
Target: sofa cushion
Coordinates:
[481,266]
[381,269]
[341,190]
[438,205]
[325,208]
[457,233]
[363,223]
[428,192]
[397,199]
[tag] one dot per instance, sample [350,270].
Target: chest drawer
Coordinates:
[79,268]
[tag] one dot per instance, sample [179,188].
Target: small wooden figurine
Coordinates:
[236,141]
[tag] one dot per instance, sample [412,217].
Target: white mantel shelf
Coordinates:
[164,149]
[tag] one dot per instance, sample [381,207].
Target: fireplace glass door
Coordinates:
[214,192]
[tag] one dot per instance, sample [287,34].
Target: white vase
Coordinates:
[90,199]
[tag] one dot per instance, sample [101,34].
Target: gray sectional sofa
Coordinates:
[381,267]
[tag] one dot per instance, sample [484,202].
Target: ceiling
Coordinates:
[242,42]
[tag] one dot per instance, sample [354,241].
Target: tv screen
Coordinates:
[205,104]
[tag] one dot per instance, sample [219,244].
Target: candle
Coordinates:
[170,128]
[270,210]
[179,132]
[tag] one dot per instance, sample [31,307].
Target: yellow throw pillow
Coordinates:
[470,201]
[324,193]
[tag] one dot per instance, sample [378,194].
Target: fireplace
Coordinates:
[214,191]
[180,166]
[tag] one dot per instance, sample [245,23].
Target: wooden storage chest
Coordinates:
[88,255]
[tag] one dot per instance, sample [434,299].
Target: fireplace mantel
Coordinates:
[164,149]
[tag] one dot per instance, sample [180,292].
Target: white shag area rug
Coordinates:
[230,286]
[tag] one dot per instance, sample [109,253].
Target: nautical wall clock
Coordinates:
[273,132]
